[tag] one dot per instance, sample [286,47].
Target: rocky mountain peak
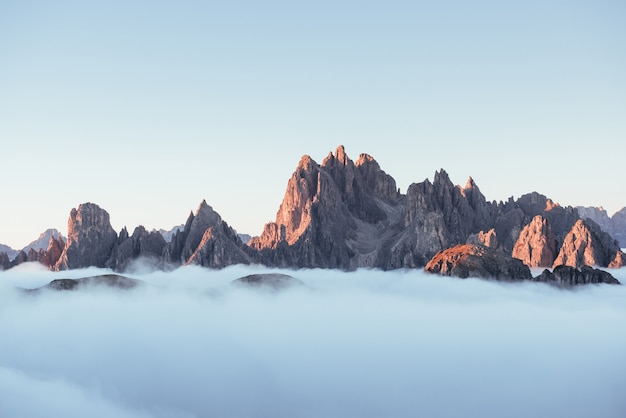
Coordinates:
[536,203]
[41,243]
[306,163]
[90,238]
[587,245]
[294,213]
[204,218]
[442,179]
[537,245]
[206,214]
[141,244]
[374,180]
[339,157]
[470,184]
[366,159]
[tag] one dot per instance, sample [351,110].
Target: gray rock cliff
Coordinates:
[206,240]
[90,238]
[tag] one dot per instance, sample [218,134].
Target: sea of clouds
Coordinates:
[359,344]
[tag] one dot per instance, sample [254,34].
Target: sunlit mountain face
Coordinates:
[190,343]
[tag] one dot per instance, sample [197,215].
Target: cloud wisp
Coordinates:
[360,344]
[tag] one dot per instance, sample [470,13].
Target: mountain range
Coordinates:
[347,214]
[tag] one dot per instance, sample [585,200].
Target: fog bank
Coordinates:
[360,344]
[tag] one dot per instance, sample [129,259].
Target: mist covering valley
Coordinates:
[359,344]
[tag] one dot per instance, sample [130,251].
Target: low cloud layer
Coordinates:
[361,344]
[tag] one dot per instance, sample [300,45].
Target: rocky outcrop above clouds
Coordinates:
[587,245]
[469,260]
[570,276]
[439,215]
[273,282]
[482,262]
[90,238]
[114,281]
[206,240]
[536,245]
[144,245]
[347,215]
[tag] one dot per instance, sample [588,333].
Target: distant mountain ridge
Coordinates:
[10,252]
[347,215]
[168,234]
[41,243]
[614,225]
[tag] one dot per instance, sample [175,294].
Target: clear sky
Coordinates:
[148,107]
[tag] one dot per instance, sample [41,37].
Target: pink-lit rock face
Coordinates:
[537,244]
[294,213]
[471,260]
[587,245]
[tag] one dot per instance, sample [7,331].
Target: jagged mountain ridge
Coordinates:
[347,215]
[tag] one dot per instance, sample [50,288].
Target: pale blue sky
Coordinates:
[146,107]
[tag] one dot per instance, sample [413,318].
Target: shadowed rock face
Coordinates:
[536,245]
[470,260]
[142,244]
[619,227]
[106,280]
[571,276]
[271,281]
[587,245]
[207,241]
[5,263]
[90,238]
